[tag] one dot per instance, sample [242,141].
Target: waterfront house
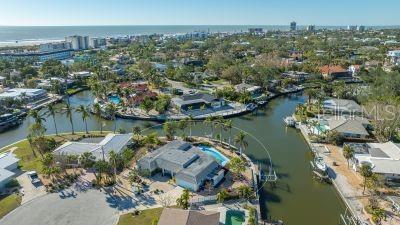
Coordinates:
[335,72]
[350,128]
[295,76]
[48,84]
[252,89]
[99,147]
[81,75]
[196,101]
[140,91]
[30,95]
[384,158]
[8,167]
[171,216]
[341,107]
[189,165]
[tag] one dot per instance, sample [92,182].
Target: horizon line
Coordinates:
[100,25]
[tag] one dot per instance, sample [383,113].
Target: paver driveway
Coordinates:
[90,207]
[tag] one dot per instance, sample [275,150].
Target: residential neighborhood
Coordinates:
[132,113]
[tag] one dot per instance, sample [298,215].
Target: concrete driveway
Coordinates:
[89,207]
[29,190]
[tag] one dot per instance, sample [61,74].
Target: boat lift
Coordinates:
[270,177]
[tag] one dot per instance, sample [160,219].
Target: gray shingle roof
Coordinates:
[343,125]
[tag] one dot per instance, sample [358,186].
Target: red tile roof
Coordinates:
[332,69]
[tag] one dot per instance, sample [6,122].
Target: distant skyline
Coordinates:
[195,12]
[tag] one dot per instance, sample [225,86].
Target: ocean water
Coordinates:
[30,35]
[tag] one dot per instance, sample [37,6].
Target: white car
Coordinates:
[33,176]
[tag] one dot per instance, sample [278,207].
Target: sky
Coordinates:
[198,12]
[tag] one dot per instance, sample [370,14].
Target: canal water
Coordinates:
[296,198]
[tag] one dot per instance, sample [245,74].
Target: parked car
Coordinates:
[33,176]
[192,92]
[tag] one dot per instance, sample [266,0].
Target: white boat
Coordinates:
[320,164]
[289,121]
[251,107]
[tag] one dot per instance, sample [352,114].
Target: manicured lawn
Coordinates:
[9,203]
[28,161]
[145,217]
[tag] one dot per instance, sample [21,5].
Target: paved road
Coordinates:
[90,207]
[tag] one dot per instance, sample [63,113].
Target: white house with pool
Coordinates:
[191,166]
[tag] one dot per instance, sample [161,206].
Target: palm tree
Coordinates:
[220,123]
[52,110]
[30,141]
[311,93]
[182,124]
[190,122]
[111,110]
[68,112]
[366,172]
[209,121]
[36,116]
[348,153]
[101,167]
[97,112]
[113,157]
[240,139]
[228,125]
[85,114]
[87,160]
[37,128]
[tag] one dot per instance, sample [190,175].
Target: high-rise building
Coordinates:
[293,26]
[78,42]
[54,47]
[311,28]
[351,27]
[361,28]
[97,42]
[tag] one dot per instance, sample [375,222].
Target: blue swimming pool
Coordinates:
[114,99]
[319,129]
[221,159]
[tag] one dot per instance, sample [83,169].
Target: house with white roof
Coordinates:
[31,95]
[384,158]
[99,147]
[341,106]
[8,166]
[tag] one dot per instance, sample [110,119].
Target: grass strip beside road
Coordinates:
[9,203]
